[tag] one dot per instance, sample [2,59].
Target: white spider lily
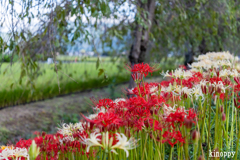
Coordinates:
[220,86]
[187,91]
[93,141]
[203,64]
[124,143]
[21,152]
[92,116]
[197,91]
[69,129]
[106,142]
[170,88]
[168,109]
[203,83]
[178,73]
[66,129]
[228,73]
[213,60]
[7,152]
[166,74]
[14,152]
[153,90]
[220,56]
[119,100]
[221,63]
[203,57]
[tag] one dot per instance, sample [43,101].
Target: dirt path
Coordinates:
[21,121]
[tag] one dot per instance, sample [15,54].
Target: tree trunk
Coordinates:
[141,36]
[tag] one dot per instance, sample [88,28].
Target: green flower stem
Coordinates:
[195,147]
[227,122]
[202,128]
[231,132]
[232,123]
[104,156]
[209,128]
[144,149]
[237,143]
[185,144]
[171,153]
[216,126]
[139,90]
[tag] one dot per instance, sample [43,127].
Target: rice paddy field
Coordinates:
[71,77]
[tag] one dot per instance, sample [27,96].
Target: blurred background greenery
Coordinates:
[55,47]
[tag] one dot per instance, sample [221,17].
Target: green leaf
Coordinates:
[22,35]
[100,72]
[20,81]
[11,85]
[98,62]
[11,46]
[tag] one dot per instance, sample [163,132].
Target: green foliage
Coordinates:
[8,58]
[199,26]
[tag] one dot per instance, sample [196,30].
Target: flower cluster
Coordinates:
[159,116]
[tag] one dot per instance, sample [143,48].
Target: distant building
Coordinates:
[81,53]
[49,61]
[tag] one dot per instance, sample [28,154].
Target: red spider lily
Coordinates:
[237,88]
[198,75]
[156,125]
[216,80]
[155,100]
[106,103]
[141,90]
[173,137]
[137,101]
[141,68]
[190,118]
[105,119]
[24,143]
[236,103]
[191,115]
[166,83]
[222,96]
[137,77]
[177,117]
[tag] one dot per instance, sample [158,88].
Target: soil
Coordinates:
[21,121]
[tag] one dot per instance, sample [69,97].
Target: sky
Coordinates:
[6,18]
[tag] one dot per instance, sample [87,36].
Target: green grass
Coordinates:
[72,77]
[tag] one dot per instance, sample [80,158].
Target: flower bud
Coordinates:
[43,134]
[33,150]
[223,116]
[222,109]
[195,136]
[188,123]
